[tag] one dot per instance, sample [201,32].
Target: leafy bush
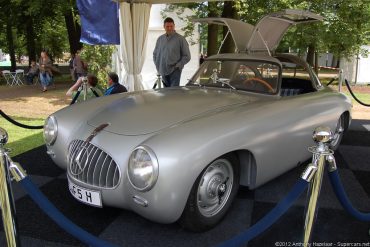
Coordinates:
[99,59]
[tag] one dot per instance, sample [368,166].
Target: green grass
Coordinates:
[21,140]
[364,97]
[62,78]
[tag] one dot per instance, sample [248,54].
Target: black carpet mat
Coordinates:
[333,225]
[37,162]
[356,138]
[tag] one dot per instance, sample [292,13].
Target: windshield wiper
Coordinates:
[225,82]
[191,83]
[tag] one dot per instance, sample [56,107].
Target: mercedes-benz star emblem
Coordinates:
[81,160]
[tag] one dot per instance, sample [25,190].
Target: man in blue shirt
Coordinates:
[114,86]
[170,55]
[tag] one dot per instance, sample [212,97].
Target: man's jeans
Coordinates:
[172,79]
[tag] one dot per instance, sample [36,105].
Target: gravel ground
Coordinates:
[30,101]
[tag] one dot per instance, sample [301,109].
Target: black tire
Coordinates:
[220,181]
[338,132]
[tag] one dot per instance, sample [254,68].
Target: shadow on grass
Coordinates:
[25,144]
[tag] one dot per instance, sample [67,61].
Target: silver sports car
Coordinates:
[181,153]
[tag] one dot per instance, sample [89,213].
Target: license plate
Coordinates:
[90,197]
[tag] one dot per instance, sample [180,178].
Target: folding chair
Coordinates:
[19,76]
[37,79]
[9,77]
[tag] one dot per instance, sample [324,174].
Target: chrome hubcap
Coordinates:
[338,132]
[215,187]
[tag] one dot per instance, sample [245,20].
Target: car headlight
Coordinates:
[50,130]
[142,168]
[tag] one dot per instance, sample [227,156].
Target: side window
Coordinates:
[295,80]
[240,74]
[292,70]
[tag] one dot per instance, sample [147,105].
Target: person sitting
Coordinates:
[92,88]
[32,72]
[114,86]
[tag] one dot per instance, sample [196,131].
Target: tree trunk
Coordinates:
[311,55]
[9,37]
[316,63]
[212,30]
[229,11]
[31,46]
[74,32]
[335,62]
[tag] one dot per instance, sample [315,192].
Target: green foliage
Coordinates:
[179,9]
[346,25]
[47,18]
[201,10]
[53,37]
[99,58]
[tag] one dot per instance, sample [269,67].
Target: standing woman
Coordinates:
[45,71]
[78,65]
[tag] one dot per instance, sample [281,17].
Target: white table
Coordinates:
[14,78]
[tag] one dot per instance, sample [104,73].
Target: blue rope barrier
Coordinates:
[59,218]
[270,218]
[343,198]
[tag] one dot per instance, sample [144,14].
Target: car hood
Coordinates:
[146,112]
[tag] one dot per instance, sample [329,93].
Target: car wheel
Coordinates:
[338,133]
[212,194]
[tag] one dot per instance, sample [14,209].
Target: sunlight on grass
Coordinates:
[20,139]
[364,97]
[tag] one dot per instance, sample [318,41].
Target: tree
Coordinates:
[212,30]
[71,18]
[7,15]
[99,60]
[345,28]
[73,29]
[36,25]
[230,10]
[205,9]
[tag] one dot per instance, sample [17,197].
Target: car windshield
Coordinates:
[255,76]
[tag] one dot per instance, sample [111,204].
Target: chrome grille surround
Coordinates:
[90,165]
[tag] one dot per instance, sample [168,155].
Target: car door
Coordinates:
[266,35]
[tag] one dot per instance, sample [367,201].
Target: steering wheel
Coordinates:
[264,83]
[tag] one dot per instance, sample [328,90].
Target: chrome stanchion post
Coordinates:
[314,173]
[159,81]
[340,80]
[84,86]
[6,197]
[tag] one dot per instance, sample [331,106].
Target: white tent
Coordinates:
[356,68]
[134,21]
[155,29]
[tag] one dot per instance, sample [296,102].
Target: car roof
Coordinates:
[290,58]
[243,56]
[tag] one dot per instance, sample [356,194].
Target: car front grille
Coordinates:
[91,165]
